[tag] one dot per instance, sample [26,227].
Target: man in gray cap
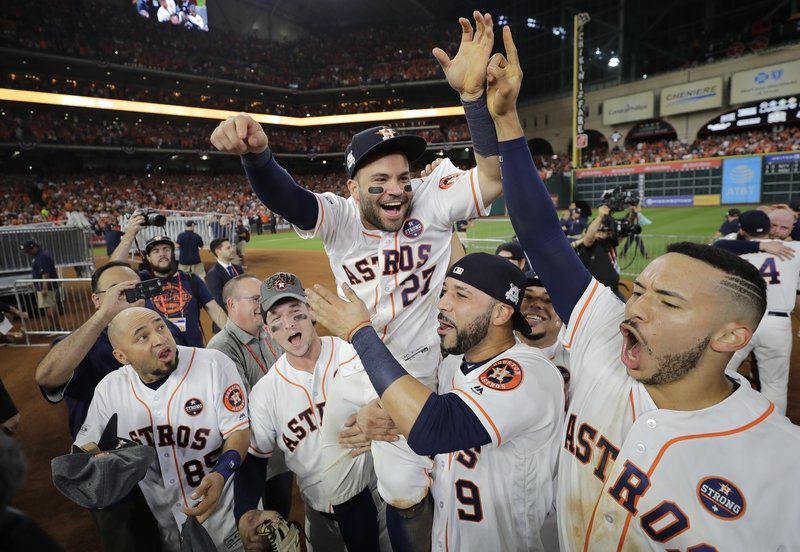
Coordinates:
[187,403]
[286,407]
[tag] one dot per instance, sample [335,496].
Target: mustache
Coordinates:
[446,319]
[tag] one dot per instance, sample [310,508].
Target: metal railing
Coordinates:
[73,307]
[68,245]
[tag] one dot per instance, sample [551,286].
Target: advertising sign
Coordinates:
[741,180]
[692,96]
[635,107]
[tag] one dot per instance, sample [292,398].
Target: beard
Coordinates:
[371,212]
[164,372]
[674,366]
[470,336]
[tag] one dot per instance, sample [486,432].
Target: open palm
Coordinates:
[504,79]
[466,72]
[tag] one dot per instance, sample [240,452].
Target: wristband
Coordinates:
[381,367]
[357,327]
[228,463]
[481,127]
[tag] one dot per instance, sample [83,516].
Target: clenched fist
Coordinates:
[239,134]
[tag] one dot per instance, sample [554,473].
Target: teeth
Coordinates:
[392,204]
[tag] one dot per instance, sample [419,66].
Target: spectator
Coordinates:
[44,268]
[730,225]
[222,271]
[513,252]
[112,235]
[242,237]
[598,250]
[190,244]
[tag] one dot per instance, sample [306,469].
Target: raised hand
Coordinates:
[341,317]
[239,134]
[504,79]
[466,72]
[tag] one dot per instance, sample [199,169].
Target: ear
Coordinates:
[352,186]
[120,356]
[229,304]
[96,300]
[502,314]
[731,338]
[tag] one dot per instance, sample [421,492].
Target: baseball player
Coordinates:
[547,330]
[495,423]
[390,241]
[782,222]
[287,406]
[189,404]
[772,341]
[661,451]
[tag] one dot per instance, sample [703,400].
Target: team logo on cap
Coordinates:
[513,294]
[281,281]
[193,407]
[721,498]
[448,181]
[503,375]
[412,228]
[386,133]
[233,399]
[351,160]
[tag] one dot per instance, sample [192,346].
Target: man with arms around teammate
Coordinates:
[661,448]
[495,423]
[390,242]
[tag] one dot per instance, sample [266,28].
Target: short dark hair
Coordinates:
[743,280]
[227,289]
[513,248]
[99,272]
[216,243]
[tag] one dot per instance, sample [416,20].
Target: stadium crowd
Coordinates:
[370,55]
[47,127]
[26,80]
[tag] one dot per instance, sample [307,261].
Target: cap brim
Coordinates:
[266,305]
[412,146]
[521,323]
[151,245]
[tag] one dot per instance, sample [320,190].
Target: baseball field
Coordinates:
[43,430]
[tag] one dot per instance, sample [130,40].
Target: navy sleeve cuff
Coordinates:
[257,159]
[446,424]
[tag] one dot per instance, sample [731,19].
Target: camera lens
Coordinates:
[156,219]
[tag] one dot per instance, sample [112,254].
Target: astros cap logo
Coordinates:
[387,133]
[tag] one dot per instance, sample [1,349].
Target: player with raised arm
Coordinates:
[390,241]
[661,450]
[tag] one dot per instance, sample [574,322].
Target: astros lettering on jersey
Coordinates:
[634,477]
[186,420]
[495,497]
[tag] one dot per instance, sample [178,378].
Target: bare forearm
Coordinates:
[217,314]
[403,401]
[508,127]
[57,366]
[239,441]
[123,249]
[591,231]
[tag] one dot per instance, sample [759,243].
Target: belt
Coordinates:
[783,314]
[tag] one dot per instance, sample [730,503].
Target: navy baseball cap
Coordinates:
[497,278]
[28,245]
[755,222]
[189,223]
[512,248]
[381,139]
[533,279]
[158,240]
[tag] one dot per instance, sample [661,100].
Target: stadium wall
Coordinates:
[552,120]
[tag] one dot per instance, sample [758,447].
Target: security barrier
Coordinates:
[207,225]
[68,245]
[73,307]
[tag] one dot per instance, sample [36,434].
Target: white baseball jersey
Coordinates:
[186,420]
[558,355]
[782,277]
[399,274]
[287,407]
[495,497]
[635,477]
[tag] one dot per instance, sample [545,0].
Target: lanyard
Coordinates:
[163,306]
[252,354]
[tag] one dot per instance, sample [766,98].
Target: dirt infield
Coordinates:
[44,433]
[43,428]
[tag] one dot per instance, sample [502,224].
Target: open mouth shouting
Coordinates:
[393,209]
[166,355]
[534,319]
[295,339]
[631,354]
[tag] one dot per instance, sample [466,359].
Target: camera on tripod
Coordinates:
[151,217]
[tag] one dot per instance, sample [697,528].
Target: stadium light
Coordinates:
[48,98]
[204,157]
[532,23]
[613,62]
[560,32]
[502,20]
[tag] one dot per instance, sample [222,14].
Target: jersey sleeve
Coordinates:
[334,214]
[263,435]
[96,418]
[451,194]
[516,396]
[592,337]
[230,399]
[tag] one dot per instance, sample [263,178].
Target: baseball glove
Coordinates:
[282,535]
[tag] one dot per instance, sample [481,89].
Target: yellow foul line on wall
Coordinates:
[66,100]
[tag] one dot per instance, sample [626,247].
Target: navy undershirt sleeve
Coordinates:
[738,247]
[381,367]
[536,224]
[248,485]
[446,424]
[278,190]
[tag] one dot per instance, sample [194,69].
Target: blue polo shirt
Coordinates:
[112,237]
[97,364]
[729,227]
[190,244]
[43,264]
[178,303]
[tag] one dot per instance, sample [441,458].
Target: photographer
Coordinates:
[183,295]
[598,249]
[634,220]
